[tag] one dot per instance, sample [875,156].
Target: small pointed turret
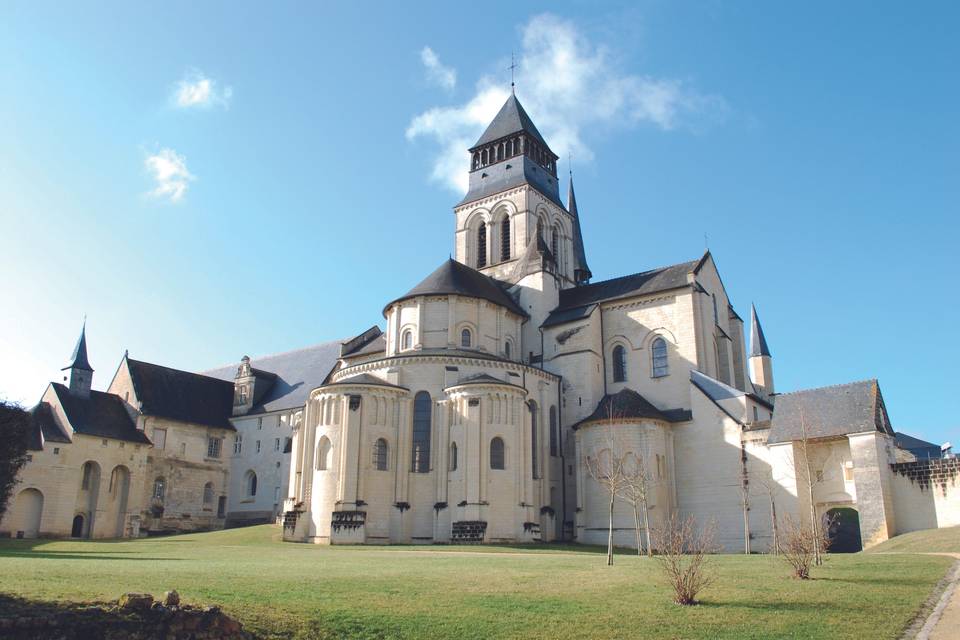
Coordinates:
[81,373]
[761,363]
[581,272]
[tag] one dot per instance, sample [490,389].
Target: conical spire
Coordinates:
[581,272]
[512,118]
[758,344]
[79,358]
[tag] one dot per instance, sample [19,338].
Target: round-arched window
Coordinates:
[619,364]
[466,339]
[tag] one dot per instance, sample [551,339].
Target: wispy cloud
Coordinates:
[567,84]
[169,171]
[197,91]
[437,72]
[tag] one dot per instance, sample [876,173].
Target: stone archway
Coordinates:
[27,510]
[844,530]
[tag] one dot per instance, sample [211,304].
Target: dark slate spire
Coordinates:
[758,344]
[512,118]
[79,358]
[581,272]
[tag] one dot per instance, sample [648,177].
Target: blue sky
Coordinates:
[208,180]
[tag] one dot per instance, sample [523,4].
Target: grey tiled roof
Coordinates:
[364,378]
[626,404]
[79,358]
[101,414]
[298,373]
[718,391]
[44,428]
[512,118]
[509,174]
[826,412]
[454,278]
[482,378]
[181,395]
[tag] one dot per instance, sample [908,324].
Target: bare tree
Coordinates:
[745,497]
[606,469]
[682,550]
[635,492]
[770,487]
[801,546]
[808,478]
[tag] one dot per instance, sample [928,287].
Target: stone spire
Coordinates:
[761,363]
[581,272]
[758,343]
[81,373]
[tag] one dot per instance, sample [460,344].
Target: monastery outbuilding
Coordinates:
[473,415]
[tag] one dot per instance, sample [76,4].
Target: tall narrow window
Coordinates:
[540,228]
[496,454]
[380,455]
[323,453]
[466,339]
[422,408]
[619,364]
[208,494]
[507,349]
[251,484]
[406,342]
[659,352]
[453,456]
[159,489]
[554,436]
[482,246]
[555,245]
[505,239]
[534,453]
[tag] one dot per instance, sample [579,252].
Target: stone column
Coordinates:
[471,458]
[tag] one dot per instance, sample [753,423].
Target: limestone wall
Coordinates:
[270,464]
[926,494]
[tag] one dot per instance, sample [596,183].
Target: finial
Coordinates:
[513,65]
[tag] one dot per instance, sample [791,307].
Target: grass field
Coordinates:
[931,541]
[293,590]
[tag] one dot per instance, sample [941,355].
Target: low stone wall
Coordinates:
[926,494]
[133,617]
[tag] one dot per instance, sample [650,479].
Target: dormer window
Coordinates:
[242,394]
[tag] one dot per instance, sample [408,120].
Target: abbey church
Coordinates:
[471,413]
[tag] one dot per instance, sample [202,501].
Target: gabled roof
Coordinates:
[905,441]
[842,409]
[627,404]
[718,391]
[361,344]
[298,373]
[180,395]
[102,415]
[512,118]
[79,358]
[758,343]
[580,268]
[365,379]
[454,278]
[482,378]
[647,282]
[44,428]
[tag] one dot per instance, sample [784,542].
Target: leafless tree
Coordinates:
[801,545]
[808,479]
[770,488]
[745,497]
[635,492]
[607,469]
[682,550]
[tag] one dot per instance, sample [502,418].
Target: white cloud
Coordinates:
[169,171]
[438,73]
[567,84]
[196,90]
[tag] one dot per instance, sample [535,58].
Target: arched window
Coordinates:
[496,454]
[658,351]
[406,342]
[619,364]
[505,239]
[482,246]
[534,443]
[422,408]
[453,456]
[540,228]
[251,484]
[555,245]
[507,349]
[208,493]
[554,435]
[380,455]
[323,453]
[159,488]
[466,339]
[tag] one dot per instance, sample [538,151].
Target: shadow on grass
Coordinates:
[70,555]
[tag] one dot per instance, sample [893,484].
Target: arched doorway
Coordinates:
[88,497]
[119,492]
[844,530]
[27,511]
[77,530]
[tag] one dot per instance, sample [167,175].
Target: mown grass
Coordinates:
[288,590]
[930,541]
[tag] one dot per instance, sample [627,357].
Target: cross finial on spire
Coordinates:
[513,65]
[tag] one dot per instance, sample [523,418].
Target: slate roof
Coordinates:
[717,390]
[647,282]
[839,410]
[364,378]
[298,373]
[626,404]
[482,378]
[920,448]
[758,343]
[512,118]
[79,358]
[100,414]
[579,253]
[366,342]
[454,278]
[509,174]
[44,428]
[181,395]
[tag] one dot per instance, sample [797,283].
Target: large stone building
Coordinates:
[474,415]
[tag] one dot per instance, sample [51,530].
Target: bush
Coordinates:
[682,551]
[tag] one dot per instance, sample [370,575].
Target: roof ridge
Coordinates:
[875,381]
[638,273]
[273,355]
[163,366]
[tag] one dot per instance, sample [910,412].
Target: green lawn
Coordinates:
[295,590]
[929,541]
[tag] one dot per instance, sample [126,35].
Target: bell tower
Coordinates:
[81,373]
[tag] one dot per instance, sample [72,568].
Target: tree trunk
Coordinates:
[646,527]
[610,533]
[776,531]
[746,527]
[636,522]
